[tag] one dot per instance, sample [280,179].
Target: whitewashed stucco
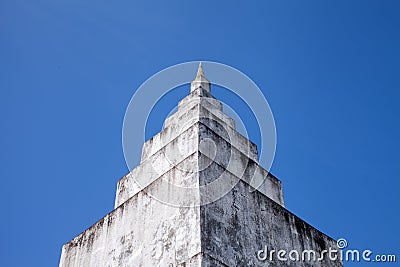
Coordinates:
[197,146]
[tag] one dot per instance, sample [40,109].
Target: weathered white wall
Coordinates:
[237,226]
[197,146]
[180,138]
[141,232]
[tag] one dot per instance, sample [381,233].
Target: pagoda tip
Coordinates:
[200,70]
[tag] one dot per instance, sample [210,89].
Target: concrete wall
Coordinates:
[181,137]
[142,231]
[160,218]
[237,226]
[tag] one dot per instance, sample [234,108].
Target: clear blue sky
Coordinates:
[329,69]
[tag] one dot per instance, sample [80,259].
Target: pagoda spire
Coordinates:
[200,83]
[200,72]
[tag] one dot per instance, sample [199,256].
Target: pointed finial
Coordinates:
[200,71]
[200,81]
